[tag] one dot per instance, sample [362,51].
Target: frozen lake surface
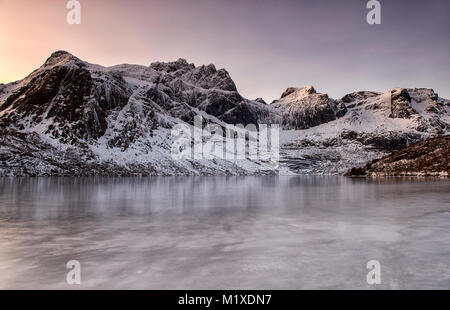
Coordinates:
[224,232]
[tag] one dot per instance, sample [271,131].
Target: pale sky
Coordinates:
[265,45]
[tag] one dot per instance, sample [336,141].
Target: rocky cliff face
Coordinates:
[65,98]
[303,108]
[70,117]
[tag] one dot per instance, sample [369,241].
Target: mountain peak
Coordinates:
[304,91]
[60,53]
[60,58]
[172,66]
[182,61]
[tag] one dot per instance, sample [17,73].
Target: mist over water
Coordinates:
[224,232]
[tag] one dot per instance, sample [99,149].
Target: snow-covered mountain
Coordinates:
[374,125]
[70,117]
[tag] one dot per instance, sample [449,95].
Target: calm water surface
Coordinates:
[224,232]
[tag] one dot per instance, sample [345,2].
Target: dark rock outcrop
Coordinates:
[357,98]
[260,100]
[427,158]
[401,104]
[382,141]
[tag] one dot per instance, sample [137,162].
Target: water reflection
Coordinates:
[224,232]
[72,198]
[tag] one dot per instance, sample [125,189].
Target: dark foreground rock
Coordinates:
[426,158]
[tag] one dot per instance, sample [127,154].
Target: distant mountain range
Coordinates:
[70,117]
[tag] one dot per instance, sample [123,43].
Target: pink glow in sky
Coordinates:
[266,46]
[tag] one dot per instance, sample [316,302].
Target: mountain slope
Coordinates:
[120,118]
[426,158]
